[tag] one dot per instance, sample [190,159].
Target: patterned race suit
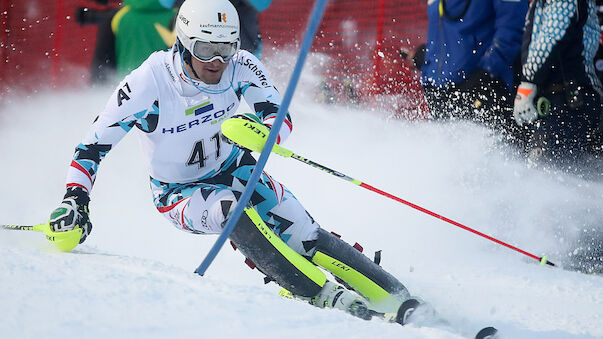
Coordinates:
[196,176]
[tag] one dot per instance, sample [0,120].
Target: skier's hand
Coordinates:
[72,213]
[524,110]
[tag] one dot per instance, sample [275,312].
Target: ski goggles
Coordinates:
[209,51]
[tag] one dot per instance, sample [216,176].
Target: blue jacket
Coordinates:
[488,36]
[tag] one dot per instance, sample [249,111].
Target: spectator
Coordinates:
[103,64]
[471,47]
[559,46]
[141,27]
[249,10]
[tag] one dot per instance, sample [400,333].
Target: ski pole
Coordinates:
[22,227]
[64,241]
[249,135]
[314,21]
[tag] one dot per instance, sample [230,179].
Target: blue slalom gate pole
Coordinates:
[315,17]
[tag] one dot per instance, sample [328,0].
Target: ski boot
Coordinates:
[335,296]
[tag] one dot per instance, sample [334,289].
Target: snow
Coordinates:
[134,276]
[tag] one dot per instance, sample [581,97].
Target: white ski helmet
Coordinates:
[209,29]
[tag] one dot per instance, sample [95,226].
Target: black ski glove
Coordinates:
[72,213]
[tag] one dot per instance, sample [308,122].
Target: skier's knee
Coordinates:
[207,215]
[356,270]
[221,210]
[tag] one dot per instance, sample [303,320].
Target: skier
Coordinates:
[178,99]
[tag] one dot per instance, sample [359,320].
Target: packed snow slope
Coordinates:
[133,277]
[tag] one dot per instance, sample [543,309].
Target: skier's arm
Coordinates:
[261,95]
[133,103]
[506,43]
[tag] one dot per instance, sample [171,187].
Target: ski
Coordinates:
[406,310]
[404,313]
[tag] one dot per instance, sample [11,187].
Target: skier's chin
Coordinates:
[209,72]
[210,76]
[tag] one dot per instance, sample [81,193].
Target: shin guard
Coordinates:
[382,289]
[274,258]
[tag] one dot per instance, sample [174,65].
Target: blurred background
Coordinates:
[51,45]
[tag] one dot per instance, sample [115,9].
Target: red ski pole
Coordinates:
[246,134]
[543,260]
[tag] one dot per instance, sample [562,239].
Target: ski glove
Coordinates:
[524,110]
[72,213]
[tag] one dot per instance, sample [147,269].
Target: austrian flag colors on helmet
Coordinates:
[201,22]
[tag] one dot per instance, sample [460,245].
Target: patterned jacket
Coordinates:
[560,42]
